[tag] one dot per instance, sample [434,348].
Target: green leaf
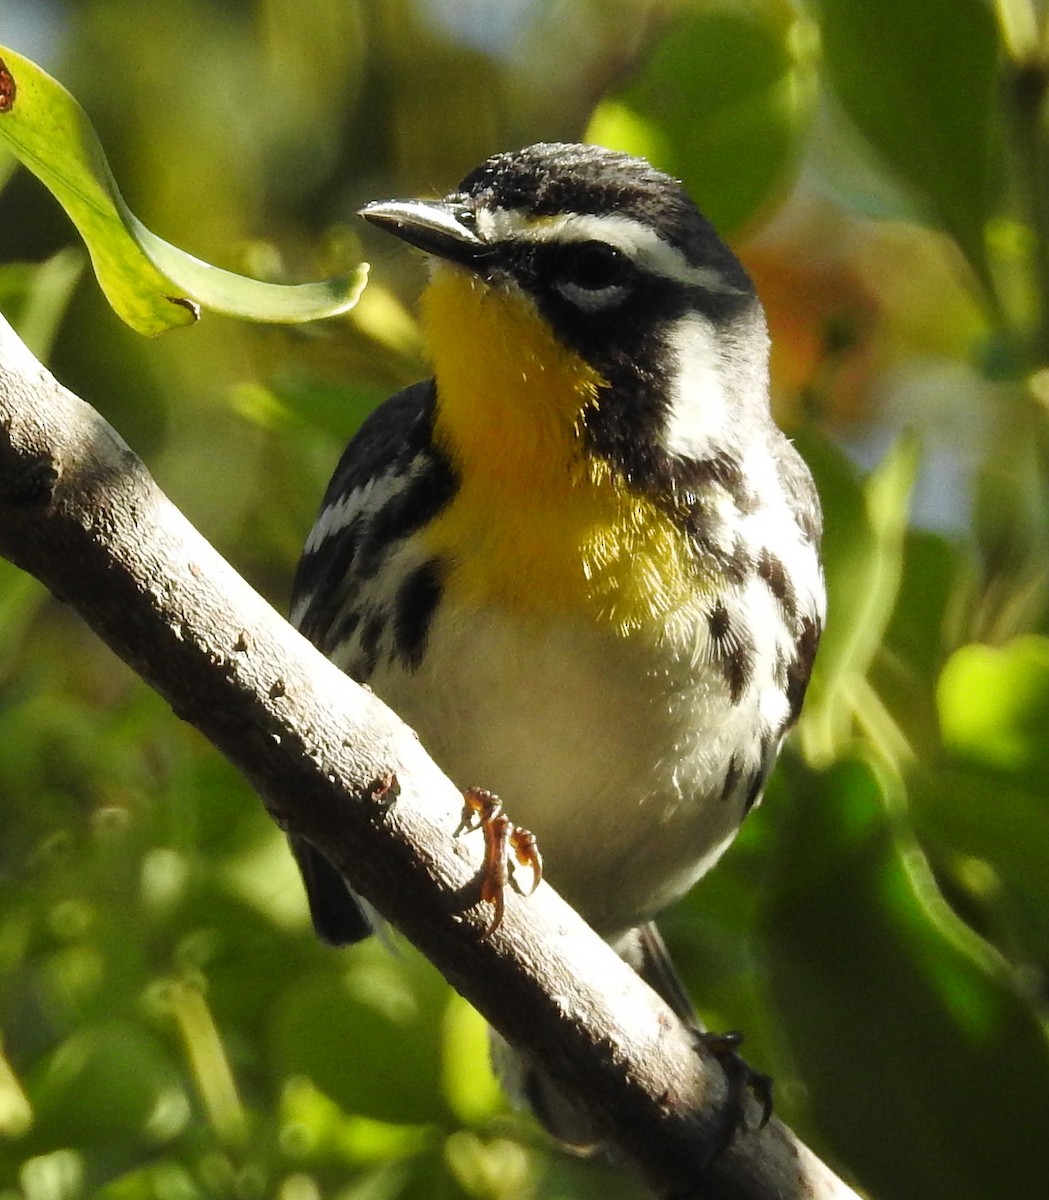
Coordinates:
[151,284]
[157,1181]
[492,1169]
[21,596]
[470,1087]
[930,574]
[918,78]
[863,550]
[988,833]
[107,1081]
[994,706]
[314,1127]
[984,808]
[16,1113]
[34,296]
[388,1011]
[722,101]
[921,1059]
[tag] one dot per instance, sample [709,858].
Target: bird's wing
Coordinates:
[382,489]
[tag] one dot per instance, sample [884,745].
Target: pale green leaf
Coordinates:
[863,548]
[994,703]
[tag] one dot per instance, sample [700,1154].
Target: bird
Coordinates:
[581,560]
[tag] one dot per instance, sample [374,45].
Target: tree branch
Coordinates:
[80,512]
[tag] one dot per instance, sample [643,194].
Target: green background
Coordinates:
[168,1025]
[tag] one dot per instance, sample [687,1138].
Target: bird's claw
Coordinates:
[483,810]
[742,1079]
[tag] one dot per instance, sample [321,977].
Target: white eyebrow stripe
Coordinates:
[638,241]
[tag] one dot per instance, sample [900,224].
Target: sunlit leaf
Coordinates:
[157,1181]
[151,284]
[313,1126]
[490,1169]
[16,1113]
[994,705]
[722,102]
[469,1085]
[983,808]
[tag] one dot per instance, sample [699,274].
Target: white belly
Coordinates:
[614,752]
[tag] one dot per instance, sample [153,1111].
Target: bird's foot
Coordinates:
[743,1081]
[483,810]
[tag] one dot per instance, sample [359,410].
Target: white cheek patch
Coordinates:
[699,413]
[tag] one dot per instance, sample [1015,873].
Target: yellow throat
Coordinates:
[537,524]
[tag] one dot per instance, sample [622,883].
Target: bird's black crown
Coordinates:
[553,178]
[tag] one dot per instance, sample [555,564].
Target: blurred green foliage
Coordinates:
[169,1027]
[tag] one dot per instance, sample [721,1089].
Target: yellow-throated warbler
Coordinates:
[581,560]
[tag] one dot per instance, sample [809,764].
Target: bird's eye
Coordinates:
[592,266]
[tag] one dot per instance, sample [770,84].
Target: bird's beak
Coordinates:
[440,227]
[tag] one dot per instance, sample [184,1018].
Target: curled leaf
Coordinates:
[151,284]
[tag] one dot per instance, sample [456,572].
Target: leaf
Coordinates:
[721,102]
[983,807]
[863,550]
[922,1061]
[16,1113]
[470,1087]
[918,78]
[987,834]
[388,1012]
[111,1080]
[34,296]
[152,285]
[994,706]
[21,596]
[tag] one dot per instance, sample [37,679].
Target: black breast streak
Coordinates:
[767,743]
[779,668]
[754,790]
[693,493]
[417,599]
[722,469]
[772,571]
[733,563]
[732,649]
[799,670]
[733,774]
[340,632]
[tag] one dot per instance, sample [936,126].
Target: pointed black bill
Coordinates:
[440,227]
